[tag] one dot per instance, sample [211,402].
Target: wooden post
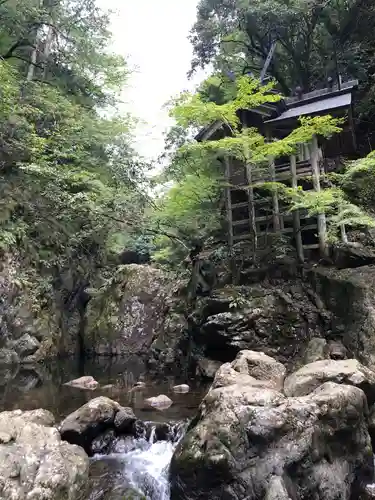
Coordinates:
[228,202]
[253,227]
[275,199]
[322,225]
[296,215]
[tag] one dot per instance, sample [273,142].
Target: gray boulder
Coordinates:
[251,368]
[92,419]
[348,371]
[249,441]
[34,463]
[161,402]
[86,382]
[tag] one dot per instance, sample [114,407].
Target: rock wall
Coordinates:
[127,314]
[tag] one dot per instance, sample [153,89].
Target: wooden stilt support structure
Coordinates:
[296,215]
[228,203]
[253,226]
[322,225]
[275,200]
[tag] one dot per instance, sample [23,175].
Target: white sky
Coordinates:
[152,34]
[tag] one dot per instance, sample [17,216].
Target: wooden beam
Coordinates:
[322,225]
[296,215]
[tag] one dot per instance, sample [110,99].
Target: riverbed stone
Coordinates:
[35,464]
[161,402]
[91,420]
[86,382]
[182,388]
[348,371]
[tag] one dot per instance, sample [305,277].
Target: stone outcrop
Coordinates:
[94,419]
[348,371]
[276,318]
[250,441]
[128,313]
[35,463]
[348,295]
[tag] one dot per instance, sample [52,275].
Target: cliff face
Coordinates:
[139,309]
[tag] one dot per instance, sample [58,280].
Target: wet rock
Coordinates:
[337,350]
[103,442]
[183,388]
[35,463]
[107,387]
[207,368]
[86,382]
[88,422]
[250,442]
[124,420]
[8,357]
[163,431]
[316,350]
[160,402]
[348,371]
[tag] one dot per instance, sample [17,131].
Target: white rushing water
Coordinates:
[145,464]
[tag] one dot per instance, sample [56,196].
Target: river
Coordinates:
[133,470]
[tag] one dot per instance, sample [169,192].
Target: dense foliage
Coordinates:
[71,186]
[314,41]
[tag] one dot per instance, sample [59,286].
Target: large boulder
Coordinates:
[251,368]
[35,464]
[348,371]
[126,314]
[94,418]
[249,441]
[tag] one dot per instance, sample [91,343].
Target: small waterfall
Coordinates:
[151,439]
[145,461]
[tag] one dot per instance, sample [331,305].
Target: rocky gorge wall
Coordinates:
[141,309]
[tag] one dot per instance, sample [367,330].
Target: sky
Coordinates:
[152,34]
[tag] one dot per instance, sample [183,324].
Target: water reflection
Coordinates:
[127,474]
[41,386]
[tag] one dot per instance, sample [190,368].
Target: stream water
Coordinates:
[134,469]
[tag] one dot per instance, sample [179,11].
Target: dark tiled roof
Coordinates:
[316,107]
